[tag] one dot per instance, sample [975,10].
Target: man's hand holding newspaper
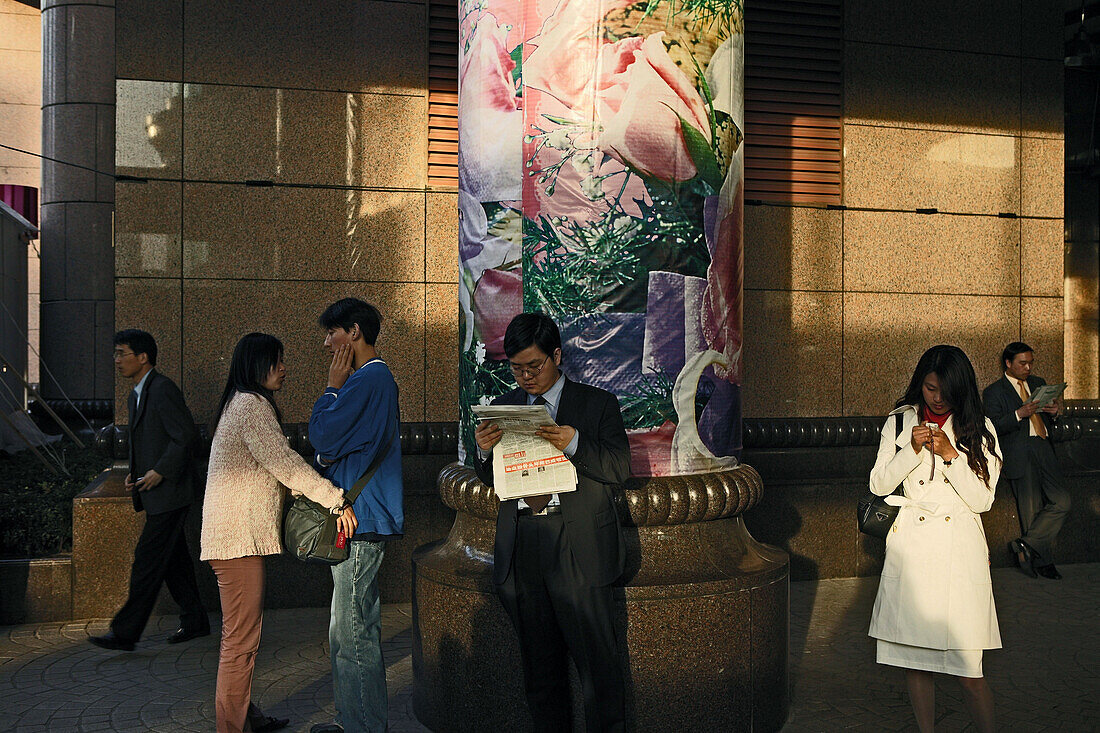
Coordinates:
[526,461]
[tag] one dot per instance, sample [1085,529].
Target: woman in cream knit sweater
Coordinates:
[249,459]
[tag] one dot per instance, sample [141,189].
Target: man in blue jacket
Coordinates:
[354,429]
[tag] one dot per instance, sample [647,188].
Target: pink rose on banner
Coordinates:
[497,300]
[490,120]
[642,96]
[565,60]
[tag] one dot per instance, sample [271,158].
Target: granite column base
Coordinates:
[704,610]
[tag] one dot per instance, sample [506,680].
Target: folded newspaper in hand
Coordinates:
[1047,393]
[523,463]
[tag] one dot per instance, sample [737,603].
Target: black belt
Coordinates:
[526,511]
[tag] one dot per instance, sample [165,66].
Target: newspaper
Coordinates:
[523,463]
[1047,393]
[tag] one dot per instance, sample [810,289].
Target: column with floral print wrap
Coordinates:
[601,182]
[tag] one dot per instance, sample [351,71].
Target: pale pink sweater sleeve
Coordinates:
[267,444]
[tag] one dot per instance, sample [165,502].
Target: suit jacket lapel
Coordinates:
[143,401]
[1010,385]
[567,405]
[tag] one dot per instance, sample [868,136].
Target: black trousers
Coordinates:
[557,615]
[1042,500]
[161,556]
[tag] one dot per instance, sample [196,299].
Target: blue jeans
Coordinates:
[355,641]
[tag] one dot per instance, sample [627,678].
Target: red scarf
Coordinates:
[927,415]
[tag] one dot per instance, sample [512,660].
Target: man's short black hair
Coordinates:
[140,342]
[1013,350]
[528,329]
[348,312]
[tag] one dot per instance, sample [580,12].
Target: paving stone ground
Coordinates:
[1047,677]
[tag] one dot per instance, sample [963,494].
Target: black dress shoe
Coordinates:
[265,723]
[181,634]
[1024,555]
[1049,571]
[110,641]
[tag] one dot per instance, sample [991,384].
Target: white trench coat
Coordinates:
[935,590]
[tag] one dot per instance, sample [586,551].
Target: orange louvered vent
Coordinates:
[443,93]
[793,100]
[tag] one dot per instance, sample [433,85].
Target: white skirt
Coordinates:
[957,662]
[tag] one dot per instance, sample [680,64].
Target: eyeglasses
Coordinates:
[119,353]
[526,371]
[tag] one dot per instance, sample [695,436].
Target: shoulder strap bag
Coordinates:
[309,529]
[874,515]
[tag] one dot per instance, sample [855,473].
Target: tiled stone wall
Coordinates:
[952,106]
[955,106]
[326,100]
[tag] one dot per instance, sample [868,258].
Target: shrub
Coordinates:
[36,506]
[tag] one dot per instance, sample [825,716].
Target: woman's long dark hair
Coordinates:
[959,388]
[255,355]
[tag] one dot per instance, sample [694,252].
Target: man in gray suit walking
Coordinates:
[161,482]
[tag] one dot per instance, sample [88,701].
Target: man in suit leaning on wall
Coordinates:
[1030,465]
[557,555]
[161,482]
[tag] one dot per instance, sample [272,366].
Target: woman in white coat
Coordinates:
[934,609]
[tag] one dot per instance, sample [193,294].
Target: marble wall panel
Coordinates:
[1082,367]
[1042,256]
[441,353]
[230,133]
[1042,96]
[89,275]
[441,238]
[1042,177]
[77,321]
[302,233]
[52,269]
[68,134]
[89,63]
[372,140]
[1082,277]
[149,39]
[149,128]
[885,334]
[216,313]
[381,46]
[790,248]
[915,253]
[1043,29]
[908,169]
[148,229]
[1042,327]
[793,339]
[134,308]
[943,24]
[914,87]
[237,133]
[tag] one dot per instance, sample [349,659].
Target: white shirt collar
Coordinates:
[141,385]
[552,395]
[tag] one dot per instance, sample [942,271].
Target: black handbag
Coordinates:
[874,515]
[309,529]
